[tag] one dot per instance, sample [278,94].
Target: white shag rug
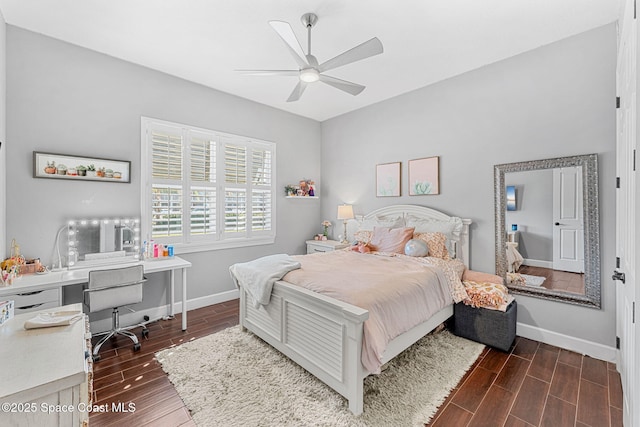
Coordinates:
[233,378]
[533,280]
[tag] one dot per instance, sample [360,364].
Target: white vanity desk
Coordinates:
[58,279]
[44,369]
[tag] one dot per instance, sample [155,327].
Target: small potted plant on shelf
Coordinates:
[91,171]
[81,170]
[62,169]
[290,190]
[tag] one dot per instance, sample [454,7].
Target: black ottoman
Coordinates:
[491,327]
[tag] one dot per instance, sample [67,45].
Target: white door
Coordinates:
[626,216]
[568,229]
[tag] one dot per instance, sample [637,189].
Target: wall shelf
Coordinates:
[301,197]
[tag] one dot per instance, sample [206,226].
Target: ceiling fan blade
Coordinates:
[269,72]
[286,33]
[369,48]
[297,91]
[344,85]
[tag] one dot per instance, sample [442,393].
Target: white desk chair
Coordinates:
[112,289]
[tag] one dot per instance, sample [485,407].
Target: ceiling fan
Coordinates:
[310,70]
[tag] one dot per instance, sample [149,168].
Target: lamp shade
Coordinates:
[345,212]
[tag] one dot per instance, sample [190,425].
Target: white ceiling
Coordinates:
[204,41]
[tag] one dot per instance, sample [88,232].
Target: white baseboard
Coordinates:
[592,349]
[127,318]
[537,263]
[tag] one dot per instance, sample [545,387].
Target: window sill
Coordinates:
[187,248]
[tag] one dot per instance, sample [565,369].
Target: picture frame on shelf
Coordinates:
[80,168]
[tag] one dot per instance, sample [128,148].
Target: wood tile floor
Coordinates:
[533,385]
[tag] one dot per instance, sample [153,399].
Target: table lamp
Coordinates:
[345,212]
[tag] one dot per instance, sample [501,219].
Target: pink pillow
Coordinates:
[386,239]
[479,276]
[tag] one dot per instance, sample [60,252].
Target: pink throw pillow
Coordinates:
[386,239]
[479,276]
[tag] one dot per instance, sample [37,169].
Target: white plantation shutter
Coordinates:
[235,164]
[206,189]
[202,198]
[235,212]
[167,211]
[261,210]
[166,188]
[261,192]
[235,183]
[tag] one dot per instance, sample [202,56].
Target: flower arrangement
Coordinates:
[326,224]
[10,267]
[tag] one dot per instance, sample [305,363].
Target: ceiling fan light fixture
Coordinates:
[309,75]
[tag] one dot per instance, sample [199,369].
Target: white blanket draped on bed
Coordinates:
[258,276]
[399,292]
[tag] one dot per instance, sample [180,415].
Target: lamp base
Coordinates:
[344,236]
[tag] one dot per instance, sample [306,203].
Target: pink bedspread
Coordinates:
[398,292]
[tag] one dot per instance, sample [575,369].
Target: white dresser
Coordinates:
[314,246]
[46,374]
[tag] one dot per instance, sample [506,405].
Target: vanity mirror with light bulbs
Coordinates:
[96,242]
[548,226]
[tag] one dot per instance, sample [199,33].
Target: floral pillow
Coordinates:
[363,236]
[437,243]
[452,270]
[486,295]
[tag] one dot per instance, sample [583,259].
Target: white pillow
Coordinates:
[381,221]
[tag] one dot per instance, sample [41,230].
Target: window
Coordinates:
[204,189]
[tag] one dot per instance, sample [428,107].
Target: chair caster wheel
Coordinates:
[136,347]
[145,333]
[96,358]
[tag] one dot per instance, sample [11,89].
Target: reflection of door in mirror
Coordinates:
[550,236]
[568,228]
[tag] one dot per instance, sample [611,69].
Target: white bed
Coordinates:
[324,335]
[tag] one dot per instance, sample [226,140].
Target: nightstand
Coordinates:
[314,246]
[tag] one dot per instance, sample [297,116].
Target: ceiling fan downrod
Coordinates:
[309,20]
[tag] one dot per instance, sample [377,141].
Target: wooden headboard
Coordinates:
[458,239]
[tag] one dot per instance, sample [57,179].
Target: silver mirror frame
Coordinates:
[592,283]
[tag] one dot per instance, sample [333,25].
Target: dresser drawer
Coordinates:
[313,248]
[29,301]
[35,307]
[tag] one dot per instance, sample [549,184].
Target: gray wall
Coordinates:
[65,99]
[534,213]
[554,101]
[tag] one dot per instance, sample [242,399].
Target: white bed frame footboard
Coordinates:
[324,335]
